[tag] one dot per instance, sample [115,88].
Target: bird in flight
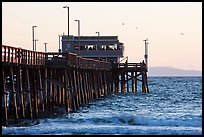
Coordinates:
[123,23]
[182,34]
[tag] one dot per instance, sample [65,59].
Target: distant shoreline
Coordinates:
[172,72]
[170,76]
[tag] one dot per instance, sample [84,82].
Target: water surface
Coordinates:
[173,107]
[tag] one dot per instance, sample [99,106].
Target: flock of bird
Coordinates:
[137,28]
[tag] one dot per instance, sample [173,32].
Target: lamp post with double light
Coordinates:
[78,36]
[33,37]
[45,47]
[35,43]
[67,25]
[59,44]
[98,47]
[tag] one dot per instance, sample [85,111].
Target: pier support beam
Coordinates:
[4,101]
[28,98]
[40,89]
[123,82]
[20,94]
[67,91]
[12,103]
[133,81]
[127,81]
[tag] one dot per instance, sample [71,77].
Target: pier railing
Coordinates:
[22,56]
[28,57]
[72,60]
[130,66]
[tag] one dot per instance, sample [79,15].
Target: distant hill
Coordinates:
[169,71]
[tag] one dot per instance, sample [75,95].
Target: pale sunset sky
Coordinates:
[160,22]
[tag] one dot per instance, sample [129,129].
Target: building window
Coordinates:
[76,47]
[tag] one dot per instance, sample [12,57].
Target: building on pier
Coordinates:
[107,48]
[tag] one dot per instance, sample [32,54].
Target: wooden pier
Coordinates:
[35,82]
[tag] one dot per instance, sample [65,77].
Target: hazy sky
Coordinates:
[160,22]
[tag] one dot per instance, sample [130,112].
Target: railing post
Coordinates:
[4,47]
[8,54]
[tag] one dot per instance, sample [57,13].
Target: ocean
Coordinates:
[172,107]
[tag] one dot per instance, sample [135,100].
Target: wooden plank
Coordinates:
[101,82]
[116,83]
[63,91]
[98,84]
[75,89]
[9,54]
[12,100]
[20,92]
[105,82]
[35,93]
[5,109]
[143,83]
[95,84]
[41,90]
[133,81]
[88,87]
[29,105]
[58,96]
[54,91]
[136,81]
[67,93]
[91,85]
[122,82]
[45,88]
[111,82]
[146,83]
[80,82]
[5,48]
[78,86]
[72,92]
[127,81]
[50,94]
